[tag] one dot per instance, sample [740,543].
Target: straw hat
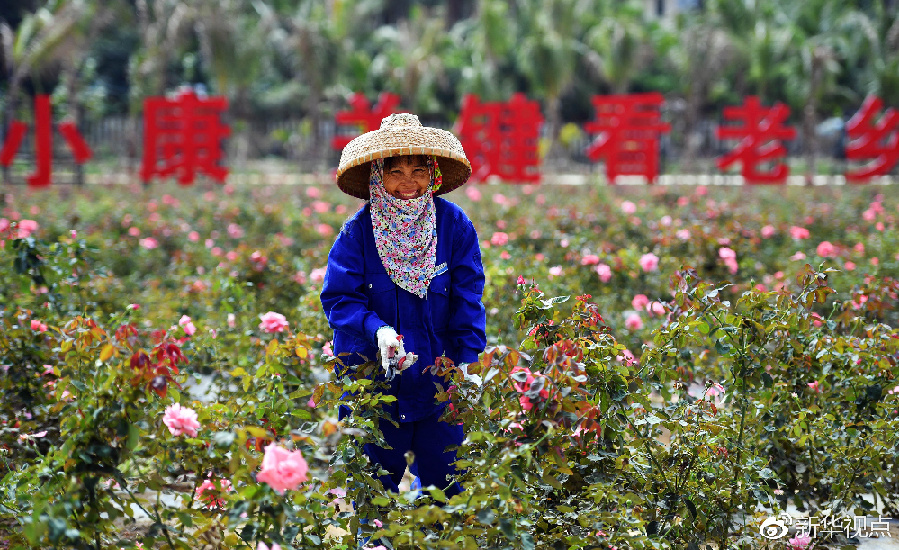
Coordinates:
[401,134]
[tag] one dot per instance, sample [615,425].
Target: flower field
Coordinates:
[667,367]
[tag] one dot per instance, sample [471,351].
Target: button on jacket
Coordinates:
[359,297]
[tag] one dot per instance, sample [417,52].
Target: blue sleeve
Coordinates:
[343,300]
[468,319]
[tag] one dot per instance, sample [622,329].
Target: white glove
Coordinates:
[473,378]
[389,344]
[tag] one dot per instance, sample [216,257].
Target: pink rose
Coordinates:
[628,358]
[639,301]
[633,322]
[213,487]
[826,249]
[38,326]
[520,280]
[499,239]
[714,389]
[235,231]
[262,546]
[799,542]
[799,232]
[732,265]
[317,275]
[27,227]
[524,387]
[649,262]
[815,386]
[187,325]
[604,272]
[282,469]
[590,259]
[273,322]
[181,420]
[149,243]
[628,207]
[768,231]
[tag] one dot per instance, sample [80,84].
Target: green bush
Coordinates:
[757,381]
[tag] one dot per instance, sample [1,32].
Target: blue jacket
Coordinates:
[359,297]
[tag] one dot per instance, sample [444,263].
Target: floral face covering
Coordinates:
[406,230]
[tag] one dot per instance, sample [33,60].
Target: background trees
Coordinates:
[276,59]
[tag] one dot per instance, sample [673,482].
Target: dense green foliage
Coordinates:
[664,370]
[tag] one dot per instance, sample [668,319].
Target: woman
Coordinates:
[407,263]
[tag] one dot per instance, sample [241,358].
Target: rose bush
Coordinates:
[672,369]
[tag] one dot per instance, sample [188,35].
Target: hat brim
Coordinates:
[354,170]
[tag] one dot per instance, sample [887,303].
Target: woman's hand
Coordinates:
[473,378]
[388,342]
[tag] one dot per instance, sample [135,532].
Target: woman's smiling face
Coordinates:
[406,177]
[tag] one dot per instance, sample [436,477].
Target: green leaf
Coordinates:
[721,347]
[486,516]
[691,507]
[552,481]
[133,436]
[223,439]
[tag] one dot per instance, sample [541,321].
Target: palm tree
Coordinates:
[821,29]
[699,56]
[52,37]
[488,41]
[619,46]
[874,48]
[549,53]
[235,65]
[410,59]
[163,26]
[316,44]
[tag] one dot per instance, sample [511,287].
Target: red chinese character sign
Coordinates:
[760,136]
[501,139]
[362,115]
[629,128]
[870,139]
[43,143]
[183,136]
